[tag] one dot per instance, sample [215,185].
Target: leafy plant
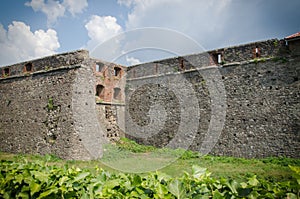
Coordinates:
[50,105]
[130,145]
[40,180]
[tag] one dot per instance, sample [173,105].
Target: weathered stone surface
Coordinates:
[262,102]
[42,110]
[246,104]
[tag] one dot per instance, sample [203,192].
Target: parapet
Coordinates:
[218,57]
[53,62]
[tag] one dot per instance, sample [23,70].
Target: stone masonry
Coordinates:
[70,105]
[48,107]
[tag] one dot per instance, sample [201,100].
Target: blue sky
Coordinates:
[34,28]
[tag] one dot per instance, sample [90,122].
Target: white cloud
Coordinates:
[127,3]
[216,23]
[132,60]
[101,29]
[54,9]
[18,43]
[199,19]
[75,6]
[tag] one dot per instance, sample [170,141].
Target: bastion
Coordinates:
[71,105]
[48,107]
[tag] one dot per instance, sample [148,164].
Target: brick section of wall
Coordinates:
[109,77]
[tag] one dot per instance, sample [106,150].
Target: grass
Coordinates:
[128,156]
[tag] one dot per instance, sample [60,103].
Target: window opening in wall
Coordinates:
[6,72]
[117,93]
[181,65]
[100,91]
[117,71]
[28,67]
[219,58]
[256,52]
[99,67]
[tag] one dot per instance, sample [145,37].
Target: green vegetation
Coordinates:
[50,105]
[256,60]
[275,43]
[186,176]
[280,59]
[43,180]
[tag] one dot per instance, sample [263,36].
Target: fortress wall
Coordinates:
[245,52]
[262,107]
[48,105]
[42,110]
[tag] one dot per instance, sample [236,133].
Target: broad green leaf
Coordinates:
[112,183]
[177,189]
[23,195]
[291,196]
[48,192]
[62,180]
[34,188]
[244,185]
[85,196]
[217,195]
[253,181]
[198,171]
[82,176]
[42,177]
[161,191]
[233,185]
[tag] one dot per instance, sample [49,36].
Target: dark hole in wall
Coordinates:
[99,67]
[28,67]
[117,71]
[181,65]
[100,91]
[256,52]
[6,72]
[216,58]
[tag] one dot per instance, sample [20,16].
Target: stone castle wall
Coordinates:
[261,102]
[248,93]
[50,108]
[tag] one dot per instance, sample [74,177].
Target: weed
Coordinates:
[281,59]
[132,146]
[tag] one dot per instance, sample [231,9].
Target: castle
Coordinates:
[239,101]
